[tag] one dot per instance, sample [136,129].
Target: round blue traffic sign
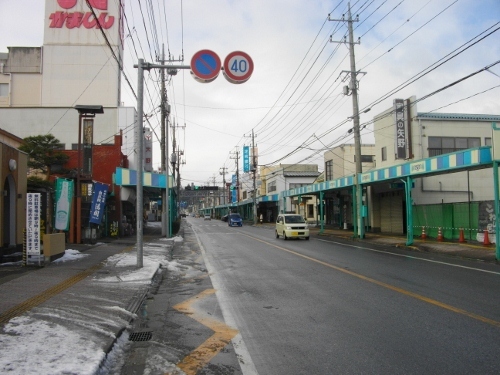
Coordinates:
[205,66]
[238,67]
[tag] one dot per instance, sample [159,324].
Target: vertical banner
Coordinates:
[88,140]
[33,210]
[98,202]
[246,159]
[148,150]
[64,195]
[401,129]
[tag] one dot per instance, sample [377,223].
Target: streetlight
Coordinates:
[86,113]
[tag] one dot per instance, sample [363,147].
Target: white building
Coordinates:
[78,64]
[413,136]
[402,134]
[283,177]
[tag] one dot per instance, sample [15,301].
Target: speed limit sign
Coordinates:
[238,67]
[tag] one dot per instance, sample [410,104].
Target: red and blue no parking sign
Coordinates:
[205,66]
[238,67]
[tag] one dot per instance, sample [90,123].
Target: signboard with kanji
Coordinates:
[98,202]
[33,210]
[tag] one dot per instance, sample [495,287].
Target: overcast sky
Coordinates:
[293,100]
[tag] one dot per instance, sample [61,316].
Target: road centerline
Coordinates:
[387,286]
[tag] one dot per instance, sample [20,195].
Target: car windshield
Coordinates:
[235,216]
[294,219]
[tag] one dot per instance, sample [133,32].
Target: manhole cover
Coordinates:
[140,336]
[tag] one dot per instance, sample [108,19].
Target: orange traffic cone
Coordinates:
[486,241]
[461,238]
[440,235]
[423,235]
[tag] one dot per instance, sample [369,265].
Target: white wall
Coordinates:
[126,122]
[78,66]
[444,188]
[61,122]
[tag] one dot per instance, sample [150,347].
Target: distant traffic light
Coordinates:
[196,187]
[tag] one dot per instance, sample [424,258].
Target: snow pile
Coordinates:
[34,346]
[70,255]
[68,336]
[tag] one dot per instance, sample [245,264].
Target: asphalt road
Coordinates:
[327,307]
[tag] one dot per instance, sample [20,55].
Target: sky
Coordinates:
[31,341]
[435,50]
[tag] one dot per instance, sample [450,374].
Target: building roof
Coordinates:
[302,174]
[457,116]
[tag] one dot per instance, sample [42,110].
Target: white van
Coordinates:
[291,226]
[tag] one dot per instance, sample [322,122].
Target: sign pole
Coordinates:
[139,139]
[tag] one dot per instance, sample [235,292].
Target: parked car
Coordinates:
[291,226]
[224,218]
[234,219]
[207,217]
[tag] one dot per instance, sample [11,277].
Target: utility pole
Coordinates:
[253,169]
[176,160]
[141,66]
[213,197]
[237,158]
[165,196]
[139,136]
[222,172]
[353,87]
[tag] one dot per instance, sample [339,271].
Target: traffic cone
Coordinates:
[461,238]
[423,235]
[486,241]
[440,235]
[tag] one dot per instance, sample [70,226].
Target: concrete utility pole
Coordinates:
[237,158]
[222,172]
[213,197]
[254,170]
[353,87]
[176,159]
[141,66]
[165,196]
[139,139]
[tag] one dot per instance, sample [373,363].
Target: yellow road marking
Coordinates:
[44,296]
[389,286]
[49,293]
[223,334]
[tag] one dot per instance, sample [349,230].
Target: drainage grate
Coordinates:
[140,336]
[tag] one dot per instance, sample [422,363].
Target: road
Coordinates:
[329,307]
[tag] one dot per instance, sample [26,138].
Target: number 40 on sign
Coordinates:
[238,67]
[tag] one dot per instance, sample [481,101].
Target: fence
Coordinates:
[451,217]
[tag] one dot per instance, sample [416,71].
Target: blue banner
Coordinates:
[98,202]
[234,197]
[246,158]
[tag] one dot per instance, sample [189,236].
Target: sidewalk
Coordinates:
[468,250]
[65,317]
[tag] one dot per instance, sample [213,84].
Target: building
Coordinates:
[402,134]
[278,178]
[78,65]
[341,162]
[13,175]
